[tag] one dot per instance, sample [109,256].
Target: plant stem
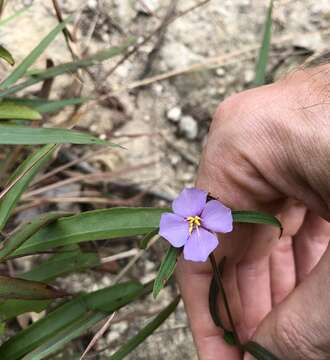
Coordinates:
[223,293]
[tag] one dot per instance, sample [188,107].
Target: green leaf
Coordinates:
[70,67]
[66,316]
[62,337]
[9,309]
[264,50]
[62,264]
[93,225]
[145,241]
[135,341]
[213,298]
[256,217]
[259,352]
[23,135]
[57,265]
[29,168]
[25,231]
[166,270]
[14,16]
[6,55]
[12,288]
[12,110]
[21,69]
[48,106]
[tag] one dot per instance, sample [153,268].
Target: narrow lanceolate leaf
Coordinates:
[145,241]
[21,179]
[261,67]
[91,308]
[12,110]
[259,352]
[25,231]
[57,265]
[6,55]
[23,135]
[14,15]
[62,264]
[255,217]
[21,69]
[135,341]
[65,68]
[48,106]
[12,288]
[214,299]
[166,270]
[93,225]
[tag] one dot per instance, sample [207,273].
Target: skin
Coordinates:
[268,149]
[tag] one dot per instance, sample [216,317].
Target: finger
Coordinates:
[282,270]
[298,328]
[194,281]
[229,279]
[282,262]
[310,244]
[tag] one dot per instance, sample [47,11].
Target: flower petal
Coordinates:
[190,202]
[174,229]
[200,245]
[217,217]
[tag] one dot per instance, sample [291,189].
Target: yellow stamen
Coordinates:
[194,221]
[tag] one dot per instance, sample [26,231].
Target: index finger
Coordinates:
[194,281]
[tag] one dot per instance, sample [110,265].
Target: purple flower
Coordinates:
[194,224]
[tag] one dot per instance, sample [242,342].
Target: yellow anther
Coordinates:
[194,221]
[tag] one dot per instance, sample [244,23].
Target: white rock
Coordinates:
[249,75]
[220,72]
[92,4]
[147,5]
[188,126]
[174,114]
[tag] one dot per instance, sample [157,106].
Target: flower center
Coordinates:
[194,221]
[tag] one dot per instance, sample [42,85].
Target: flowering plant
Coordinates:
[193,225]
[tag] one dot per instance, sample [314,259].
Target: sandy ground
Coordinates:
[164,124]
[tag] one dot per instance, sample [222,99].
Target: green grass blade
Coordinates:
[9,309]
[93,225]
[57,265]
[14,16]
[261,67]
[61,264]
[109,300]
[61,69]
[61,338]
[256,217]
[135,341]
[48,106]
[24,135]
[166,270]
[146,239]
[29,168]
[25,231]
[13,110]
[13,288]
[21,69]
[6,55]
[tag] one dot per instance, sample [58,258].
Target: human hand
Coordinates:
[268,150]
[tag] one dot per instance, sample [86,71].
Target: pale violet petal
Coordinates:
[174,229]
[200,245]
[217,217]
[190,202]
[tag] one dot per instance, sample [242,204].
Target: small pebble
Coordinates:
[174,114]
[188,126]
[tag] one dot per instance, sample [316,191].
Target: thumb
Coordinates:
[299,327]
